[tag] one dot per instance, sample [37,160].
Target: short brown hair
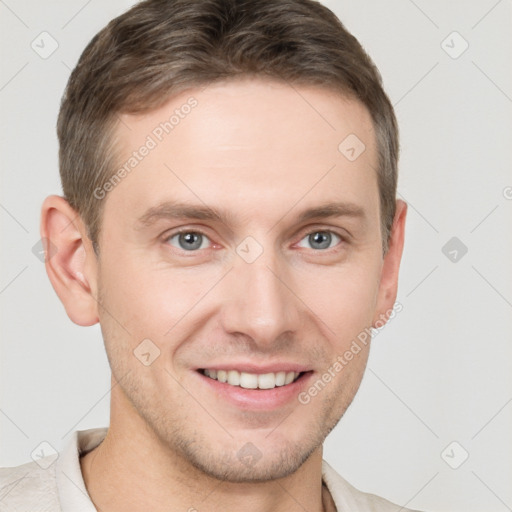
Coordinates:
[161,47]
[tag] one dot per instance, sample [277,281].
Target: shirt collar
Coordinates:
[70,483]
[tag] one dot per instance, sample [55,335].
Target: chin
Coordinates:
[249,465]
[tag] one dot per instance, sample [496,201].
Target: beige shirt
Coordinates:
[55,484]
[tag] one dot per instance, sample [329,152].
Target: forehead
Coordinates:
[250,146]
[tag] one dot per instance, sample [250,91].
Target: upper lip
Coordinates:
[259,369]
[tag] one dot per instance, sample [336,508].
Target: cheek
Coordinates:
[150,300]
[343,298]
[131,298]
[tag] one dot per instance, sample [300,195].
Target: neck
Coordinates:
[131,470]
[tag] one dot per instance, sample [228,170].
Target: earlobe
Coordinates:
[390,268]
[70,260]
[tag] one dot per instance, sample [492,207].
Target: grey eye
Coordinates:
[189,241]
[320,240]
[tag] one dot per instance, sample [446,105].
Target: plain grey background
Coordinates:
[438,387]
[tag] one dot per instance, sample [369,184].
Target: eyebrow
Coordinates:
[174,210]
[339,209]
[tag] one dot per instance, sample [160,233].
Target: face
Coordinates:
[243,244]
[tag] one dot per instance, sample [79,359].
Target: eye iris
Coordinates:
[190,241]
[321,238]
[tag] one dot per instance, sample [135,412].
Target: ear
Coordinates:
[70,260]
[389,273]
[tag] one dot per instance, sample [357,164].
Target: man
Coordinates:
[229,218]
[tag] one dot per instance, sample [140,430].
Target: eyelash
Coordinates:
[342,239]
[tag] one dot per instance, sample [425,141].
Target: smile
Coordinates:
[252,380]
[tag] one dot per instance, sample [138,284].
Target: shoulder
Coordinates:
[347,497]
[29,487]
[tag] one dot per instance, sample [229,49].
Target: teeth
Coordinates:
[251,380]
[267,381]
[248,380]
[280,378]
[289,378]
[233,378]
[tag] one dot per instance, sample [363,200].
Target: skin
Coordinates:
[260,152]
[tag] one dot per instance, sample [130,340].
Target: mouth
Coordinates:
[247,380]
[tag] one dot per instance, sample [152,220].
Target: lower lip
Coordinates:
[258,399]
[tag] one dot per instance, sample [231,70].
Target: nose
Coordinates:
[260,301]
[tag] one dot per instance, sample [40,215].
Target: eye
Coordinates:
[189,240]
[320,240]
